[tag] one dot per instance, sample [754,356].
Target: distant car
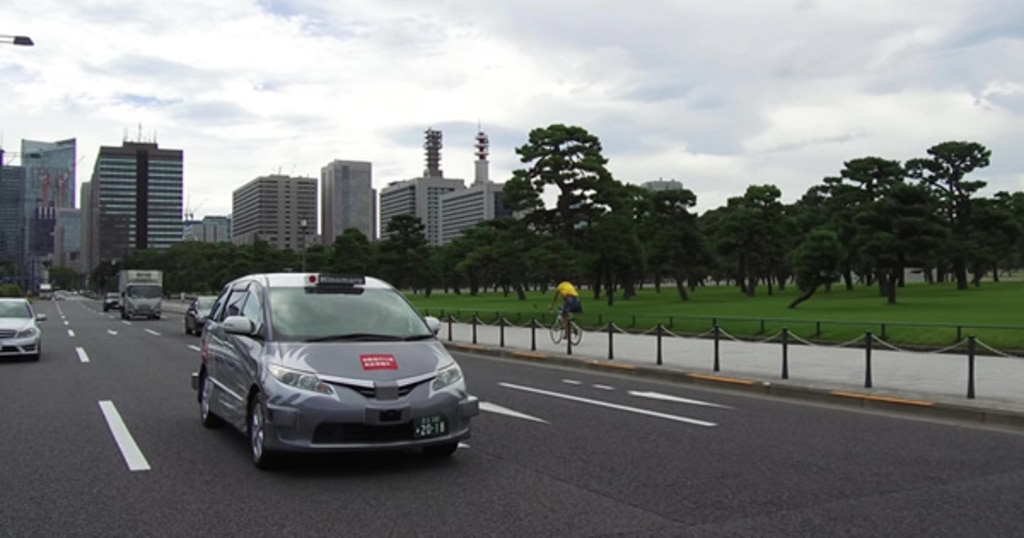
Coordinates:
[20,333]
[328,363]
[198,310]
[111,301]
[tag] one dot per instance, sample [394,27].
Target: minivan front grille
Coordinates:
[371,392]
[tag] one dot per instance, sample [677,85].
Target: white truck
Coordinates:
[142,293]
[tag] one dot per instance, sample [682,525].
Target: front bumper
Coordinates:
[349,422]
[20,347]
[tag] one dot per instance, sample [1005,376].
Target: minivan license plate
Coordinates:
[429,427]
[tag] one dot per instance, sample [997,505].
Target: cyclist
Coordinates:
[570,303]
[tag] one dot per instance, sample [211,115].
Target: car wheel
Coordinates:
[207,417]
[441,451]
[187,330]
[261,457]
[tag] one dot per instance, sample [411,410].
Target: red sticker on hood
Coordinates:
[378,362]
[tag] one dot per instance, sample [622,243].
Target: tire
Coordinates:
[262,458]
[206,416]
[556,333]
[187,330]
[576,333]
[441,451]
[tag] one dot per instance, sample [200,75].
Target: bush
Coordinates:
[10,290]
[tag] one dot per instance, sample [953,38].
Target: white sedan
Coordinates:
[20,334]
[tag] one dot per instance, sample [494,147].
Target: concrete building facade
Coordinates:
[278,209]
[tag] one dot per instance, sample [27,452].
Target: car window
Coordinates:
[296,314]
[253,309]
[215,311]
[234,303]
[15,309]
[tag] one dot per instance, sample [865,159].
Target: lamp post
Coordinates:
[302,226]
[20,40]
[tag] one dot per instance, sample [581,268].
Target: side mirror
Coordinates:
[40,317]
[238,325]
[433,323]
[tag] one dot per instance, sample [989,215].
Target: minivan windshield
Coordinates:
[370,315]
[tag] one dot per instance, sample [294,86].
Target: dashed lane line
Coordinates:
[130,451]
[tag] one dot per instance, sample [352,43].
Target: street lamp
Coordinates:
[302,225]
[21,40]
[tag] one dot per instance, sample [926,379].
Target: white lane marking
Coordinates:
[66,323]
[82,355]
[572,382]
[494,408]
[126,322]
[71,333]
[676,399]
[604,387]
[125,443]
[610,405]
[194,348]
[151,331]
[463,445]
[111,332]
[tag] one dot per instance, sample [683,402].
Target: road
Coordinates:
[555,452]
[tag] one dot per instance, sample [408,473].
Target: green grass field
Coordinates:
[926,315]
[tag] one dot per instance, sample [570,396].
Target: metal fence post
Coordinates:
[611,332]
[450,318]
[970,366]
[717,332]
[475,319]
[785,353]
[533,334]
[568,338]
[658,330]
[501,331]
[867,359]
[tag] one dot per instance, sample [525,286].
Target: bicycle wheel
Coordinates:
[577,334]
[556,331]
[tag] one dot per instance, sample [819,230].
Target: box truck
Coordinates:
[142,293]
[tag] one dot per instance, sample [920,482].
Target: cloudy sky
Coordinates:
[716,94]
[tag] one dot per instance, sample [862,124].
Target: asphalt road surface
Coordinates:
[102,438]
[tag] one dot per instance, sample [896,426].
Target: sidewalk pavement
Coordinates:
[935,383]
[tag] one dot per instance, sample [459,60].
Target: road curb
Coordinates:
[911,406]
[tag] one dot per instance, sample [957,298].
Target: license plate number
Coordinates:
[429,427]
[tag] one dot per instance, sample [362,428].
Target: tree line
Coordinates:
[867,224]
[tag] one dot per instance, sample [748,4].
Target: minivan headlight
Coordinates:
[300,380]
[447,376]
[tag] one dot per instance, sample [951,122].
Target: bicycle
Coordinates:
[558,331]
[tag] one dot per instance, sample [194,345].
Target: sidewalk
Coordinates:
[929,377]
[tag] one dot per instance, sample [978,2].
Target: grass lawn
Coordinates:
[926,315]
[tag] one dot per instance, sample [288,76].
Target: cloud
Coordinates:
[716,94]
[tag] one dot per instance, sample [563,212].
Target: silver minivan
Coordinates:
[303,362]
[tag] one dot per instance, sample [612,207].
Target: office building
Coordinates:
[68,240]
[420,196]
[348,199]
[464,208]
[49,185]
[12,221]
[136,192]
[211,229]
[278,209]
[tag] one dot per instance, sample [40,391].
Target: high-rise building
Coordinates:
[348,199]
[87,231]
[68,240]
[212,229]
[137,199]
[49,171]
[464,208]
[420,196]
[12,221]
[278,209]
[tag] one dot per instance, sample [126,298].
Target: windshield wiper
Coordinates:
[366,337]
[418,337]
